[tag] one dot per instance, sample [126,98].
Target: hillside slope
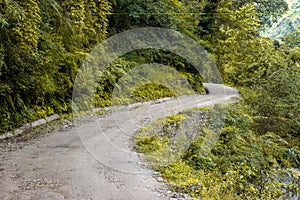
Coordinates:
[288,23]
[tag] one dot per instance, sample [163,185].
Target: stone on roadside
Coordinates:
[38,123]
[52,117]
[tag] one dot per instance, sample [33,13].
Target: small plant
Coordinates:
[102,112]
[151,91]
[150,143]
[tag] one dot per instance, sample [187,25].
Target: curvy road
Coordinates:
[94,159]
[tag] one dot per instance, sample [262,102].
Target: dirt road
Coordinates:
[95,158]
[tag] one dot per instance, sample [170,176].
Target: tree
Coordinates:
[43,43]
[268,11]
[178,15]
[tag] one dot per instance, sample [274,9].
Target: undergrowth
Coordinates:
[242,164]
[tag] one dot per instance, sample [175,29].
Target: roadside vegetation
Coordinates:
[244,164]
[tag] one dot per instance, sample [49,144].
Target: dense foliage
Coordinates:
[243,164]
[42,46]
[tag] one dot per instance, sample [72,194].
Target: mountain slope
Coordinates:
[288,23]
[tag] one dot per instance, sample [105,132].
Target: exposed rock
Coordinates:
[38,123]
[26,126]
[52,117]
